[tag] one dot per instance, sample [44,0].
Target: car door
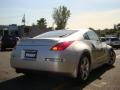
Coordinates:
[97,50]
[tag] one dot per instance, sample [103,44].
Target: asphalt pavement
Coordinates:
[103,78]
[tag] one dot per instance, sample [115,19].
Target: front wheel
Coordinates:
[112,58]
[84,68]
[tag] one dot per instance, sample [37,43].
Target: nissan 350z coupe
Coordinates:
[71,52]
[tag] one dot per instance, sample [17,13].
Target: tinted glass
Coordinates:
[86,36]
[92,35]
[114,39]
[107,39]
[59,33]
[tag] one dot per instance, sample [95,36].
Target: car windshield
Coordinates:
[59,33]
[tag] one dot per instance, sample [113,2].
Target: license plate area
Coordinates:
[30,54]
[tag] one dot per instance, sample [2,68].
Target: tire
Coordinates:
[84,68]
[29,75]
[112,58]
[3,48]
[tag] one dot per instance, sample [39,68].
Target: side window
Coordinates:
[92,35]
[86,36]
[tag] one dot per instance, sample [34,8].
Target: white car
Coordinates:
[113,41]
[71,52]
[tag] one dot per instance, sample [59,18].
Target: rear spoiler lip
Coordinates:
[33,45]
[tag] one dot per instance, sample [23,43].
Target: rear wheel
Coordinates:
[112,57]
[84,68]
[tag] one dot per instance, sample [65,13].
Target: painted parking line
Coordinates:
[117,56]
[99,85]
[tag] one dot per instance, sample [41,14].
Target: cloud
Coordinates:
[103,19]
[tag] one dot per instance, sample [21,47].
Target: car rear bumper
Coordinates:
[38,72]
[44,59]
[115,46]
[44,66]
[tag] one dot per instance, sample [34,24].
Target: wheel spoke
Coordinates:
[85,61]
[84,68]
[112,58]
[84,75]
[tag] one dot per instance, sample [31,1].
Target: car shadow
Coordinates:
[7,50]
[51,82]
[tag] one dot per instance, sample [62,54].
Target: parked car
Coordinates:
[113,41]
[0,42]
[103,39]
[8,41]
[69,52]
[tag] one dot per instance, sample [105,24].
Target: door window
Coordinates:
[92,36]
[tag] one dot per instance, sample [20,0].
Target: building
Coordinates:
[3,28]
[36,30]
[23,31]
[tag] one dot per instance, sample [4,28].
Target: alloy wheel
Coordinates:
[84,68]
[112,58]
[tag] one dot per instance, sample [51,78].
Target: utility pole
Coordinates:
[23,21]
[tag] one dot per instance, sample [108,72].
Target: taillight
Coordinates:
[61,46]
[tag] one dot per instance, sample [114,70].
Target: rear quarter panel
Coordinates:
[74,52]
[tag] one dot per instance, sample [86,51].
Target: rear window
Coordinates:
[107,39]
[59,33]
[114,39]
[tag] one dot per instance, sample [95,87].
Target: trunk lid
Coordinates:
[38,42]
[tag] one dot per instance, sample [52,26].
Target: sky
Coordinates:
[98,14]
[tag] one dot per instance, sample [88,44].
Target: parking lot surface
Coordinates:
[103,78]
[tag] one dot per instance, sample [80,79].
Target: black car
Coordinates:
[8,41]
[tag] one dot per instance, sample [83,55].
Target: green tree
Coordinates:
[118,33]
[61,16]
[42,23]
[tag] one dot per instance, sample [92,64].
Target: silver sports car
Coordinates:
[71,52]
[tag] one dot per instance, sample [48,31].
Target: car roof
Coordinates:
[81,30]
[111,37]
[78,34]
